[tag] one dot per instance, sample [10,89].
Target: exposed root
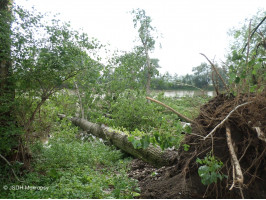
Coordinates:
[261,135]
[224,120]
[238,179]
[239,145]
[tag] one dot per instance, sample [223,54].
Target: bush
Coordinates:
[132,111]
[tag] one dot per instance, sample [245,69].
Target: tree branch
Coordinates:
[11,167]
[254,30]
[216,71]
[174,111]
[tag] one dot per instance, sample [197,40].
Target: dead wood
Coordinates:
[216,71]
[9,164]
[174,111]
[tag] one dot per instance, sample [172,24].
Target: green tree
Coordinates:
[143,23]
[130,70]
[7,90]
[246,57]
[202,76]
[44,56]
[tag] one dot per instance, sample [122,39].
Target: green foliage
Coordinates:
[130,71]
[149,123]
[142,22]
[131,111]
[200,79]
[71,168]
[186,147]
[166,136]
[246,59]
[45,56]
[209,172]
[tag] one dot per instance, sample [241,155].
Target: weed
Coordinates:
[209,172]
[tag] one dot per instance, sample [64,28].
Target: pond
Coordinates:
[183,93]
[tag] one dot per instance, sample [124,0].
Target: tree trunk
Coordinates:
[148,85]
[152,155]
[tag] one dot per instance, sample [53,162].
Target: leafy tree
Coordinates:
[143,23]
[130,70]
[7,121]
[201,76]
[246,58]
[44,56]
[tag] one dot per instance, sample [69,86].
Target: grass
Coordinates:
[71,168]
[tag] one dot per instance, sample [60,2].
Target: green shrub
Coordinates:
[132,111]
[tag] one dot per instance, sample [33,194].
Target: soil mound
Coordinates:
[238,121]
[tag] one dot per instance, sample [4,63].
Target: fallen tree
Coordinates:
[153,154]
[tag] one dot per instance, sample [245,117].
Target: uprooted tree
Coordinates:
[151,154]
[231,127]
[228,141]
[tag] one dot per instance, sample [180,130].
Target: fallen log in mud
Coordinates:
[153,155]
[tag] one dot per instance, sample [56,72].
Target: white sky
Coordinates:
[188,27]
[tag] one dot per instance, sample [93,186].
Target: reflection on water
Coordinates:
[183,93]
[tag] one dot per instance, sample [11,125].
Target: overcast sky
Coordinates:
[188,27]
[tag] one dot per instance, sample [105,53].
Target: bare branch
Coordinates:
[216,71]
[174,111]
[11,167]
[254,30]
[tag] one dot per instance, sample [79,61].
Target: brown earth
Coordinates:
[181,180]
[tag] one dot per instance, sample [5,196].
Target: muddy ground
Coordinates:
[164,183]
[167,183]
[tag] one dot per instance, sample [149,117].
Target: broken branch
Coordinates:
[174,111]
[216,71]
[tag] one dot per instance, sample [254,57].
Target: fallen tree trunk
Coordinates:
[152,155]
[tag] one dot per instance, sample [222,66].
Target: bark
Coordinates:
[152,155]
[148,60]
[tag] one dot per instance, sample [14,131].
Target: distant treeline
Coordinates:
[201,78]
